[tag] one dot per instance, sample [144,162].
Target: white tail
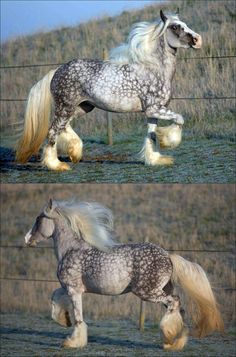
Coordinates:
[192,278]
[37,117]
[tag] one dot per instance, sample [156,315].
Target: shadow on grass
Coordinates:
[11,334]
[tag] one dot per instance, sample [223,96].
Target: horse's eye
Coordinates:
[174,27]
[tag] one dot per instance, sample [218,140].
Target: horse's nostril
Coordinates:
[195,40]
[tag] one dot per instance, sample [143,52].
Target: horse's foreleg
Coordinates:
[149,152]
[70,143]
[161,112]
[79,336]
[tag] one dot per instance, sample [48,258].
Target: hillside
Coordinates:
[215,20]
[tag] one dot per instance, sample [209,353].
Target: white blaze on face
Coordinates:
[28,236]
[174,42]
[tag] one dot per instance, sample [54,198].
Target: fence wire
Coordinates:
[56,281]
[61,63]
[174,98]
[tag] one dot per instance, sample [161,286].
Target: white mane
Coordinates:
[93,220]
[141,43]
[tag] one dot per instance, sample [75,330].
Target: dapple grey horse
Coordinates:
[137,77]
[90,261]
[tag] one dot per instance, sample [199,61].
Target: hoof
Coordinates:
[170,136]
[69,343]
[63,167]
[165,160]
[74,157]
[75,151]
[78,339]
[73,343]
[156,160]
[179,343]
[60,166]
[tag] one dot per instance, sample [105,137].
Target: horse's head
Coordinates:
[178,34]
[43,227]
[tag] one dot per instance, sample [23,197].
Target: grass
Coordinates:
[30,335]
[173,216]
[197,160]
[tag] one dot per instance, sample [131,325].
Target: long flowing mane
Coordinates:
[93,220]
[141,43]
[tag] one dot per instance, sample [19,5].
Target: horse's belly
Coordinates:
[107,284]
[115,101]
[119,106]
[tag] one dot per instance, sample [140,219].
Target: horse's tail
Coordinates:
[37,117]
[202,307]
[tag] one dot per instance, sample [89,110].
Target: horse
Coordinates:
[137,77]
[90,260]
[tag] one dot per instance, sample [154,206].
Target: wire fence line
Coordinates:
[174,98]
[169,250]
[61,63]
[8,278]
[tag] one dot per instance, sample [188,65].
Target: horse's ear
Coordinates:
[177,12]
[163,16]
[50,203]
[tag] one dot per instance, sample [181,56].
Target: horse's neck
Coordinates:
[64,238]
[166,59]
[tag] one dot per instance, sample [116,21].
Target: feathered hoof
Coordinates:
[62,167]
[178,343]
[165,160]
[156,159]
[170,136]
[75,150]
[72,343]
[78,339]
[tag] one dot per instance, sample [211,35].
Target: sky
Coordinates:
[26,17]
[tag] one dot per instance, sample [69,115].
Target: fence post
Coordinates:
[142,305]
[108,114]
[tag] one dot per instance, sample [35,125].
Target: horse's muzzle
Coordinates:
[197,40]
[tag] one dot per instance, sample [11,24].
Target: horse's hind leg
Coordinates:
[70,143]
[62,117]
[173,328]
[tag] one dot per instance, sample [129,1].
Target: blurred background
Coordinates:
[195,221]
